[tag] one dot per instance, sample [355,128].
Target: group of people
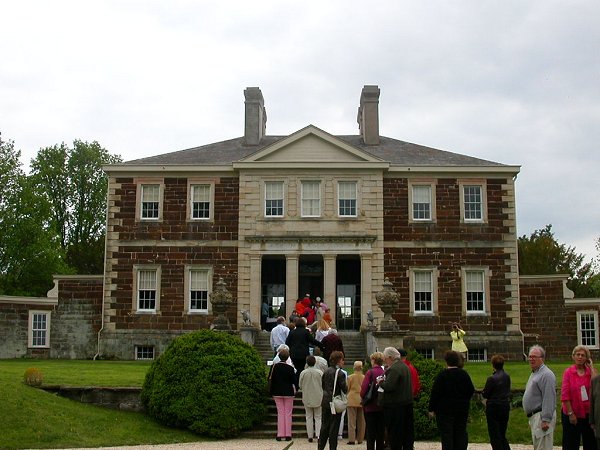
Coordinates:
[313,310]
[379,403]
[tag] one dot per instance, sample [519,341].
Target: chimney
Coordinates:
[368,115]
[255,124]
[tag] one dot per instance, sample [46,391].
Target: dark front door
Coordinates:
[348,293]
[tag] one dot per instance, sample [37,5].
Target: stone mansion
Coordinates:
[277,217]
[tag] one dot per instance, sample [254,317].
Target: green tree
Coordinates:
[541,254]
[75,187]
[29,255]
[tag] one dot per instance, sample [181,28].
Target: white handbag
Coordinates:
[339,403]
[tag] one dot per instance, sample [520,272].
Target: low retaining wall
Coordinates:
[123,398]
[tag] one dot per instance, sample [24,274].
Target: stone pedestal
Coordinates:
[248,334]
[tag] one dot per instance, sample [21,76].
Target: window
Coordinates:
[474,291]
[200,201]
[475,286]
[477,355]
[199,290]
[426,353]
[150,202]
[473,207]
[347,198]
[274,198]
[421,202]
[146,290]
[345,306]
[422,288]
[311,199]
[39,329]
[587,328]
[144,352]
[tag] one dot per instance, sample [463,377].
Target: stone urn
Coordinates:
[388,300]
[220,299]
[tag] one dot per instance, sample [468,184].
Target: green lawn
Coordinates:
[32,418]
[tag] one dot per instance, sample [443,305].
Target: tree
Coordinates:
[72,181]
[29,255]
[541,254]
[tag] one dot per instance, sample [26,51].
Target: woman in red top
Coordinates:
[575,398]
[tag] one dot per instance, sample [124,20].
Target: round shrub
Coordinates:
[425,428]
[210,382]
[33,377]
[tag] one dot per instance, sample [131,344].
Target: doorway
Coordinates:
[273,288]
[348,289]
[310,276]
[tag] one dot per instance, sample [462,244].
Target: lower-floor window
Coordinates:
[477,355]
[587,328]
[144,352]
[426,353]
[39,329]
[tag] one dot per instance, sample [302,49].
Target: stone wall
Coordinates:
[14,323]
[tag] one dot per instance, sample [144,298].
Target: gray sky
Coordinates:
[516,82]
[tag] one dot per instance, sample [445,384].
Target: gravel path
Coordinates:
[296,444]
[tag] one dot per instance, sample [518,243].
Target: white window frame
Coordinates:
[31,338]
[580,330]
[137,270]
[411,201]
[478,350]
[142,349]
[423,352]
[310,205]
[341,196]
[344,305]
[485,273]
[413,286]
[141,184]
[271,196]
[481,184]
[193,184]
[208,270]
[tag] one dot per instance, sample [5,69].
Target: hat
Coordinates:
[402,352]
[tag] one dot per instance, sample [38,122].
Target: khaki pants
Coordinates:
[542,440]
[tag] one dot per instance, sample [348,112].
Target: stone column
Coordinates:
[329,283]
[291,283]
[366,286]
[255,289]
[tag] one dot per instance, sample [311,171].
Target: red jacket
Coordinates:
[414,376]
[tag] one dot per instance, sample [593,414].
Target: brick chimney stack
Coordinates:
[368,115]
[255,125]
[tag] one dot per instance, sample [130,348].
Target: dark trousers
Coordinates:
[375,430]
[330,425]
[299,364]
[453,430]
[397,420]
[574,434]
[497,421]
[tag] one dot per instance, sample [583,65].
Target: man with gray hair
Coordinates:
[396,399]
[539,400]
[279,333]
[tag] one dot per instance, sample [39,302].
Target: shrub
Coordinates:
[425,428]
[33,377]
[209,382]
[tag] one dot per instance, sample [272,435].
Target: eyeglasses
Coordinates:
[533,356]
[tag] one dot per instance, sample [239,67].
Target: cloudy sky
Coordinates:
[512,81]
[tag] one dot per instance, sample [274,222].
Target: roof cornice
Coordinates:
[164,168]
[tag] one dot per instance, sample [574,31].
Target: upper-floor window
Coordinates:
[475,290]
[587,328]
[347,198]
[200,195]
[421,202]
[150,202]
[39,329]
[311,198]
[147,293]
[274,198]
[473,207]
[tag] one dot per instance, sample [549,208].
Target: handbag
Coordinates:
[339,403]
[370,395]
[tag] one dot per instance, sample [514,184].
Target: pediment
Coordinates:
[310,145]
